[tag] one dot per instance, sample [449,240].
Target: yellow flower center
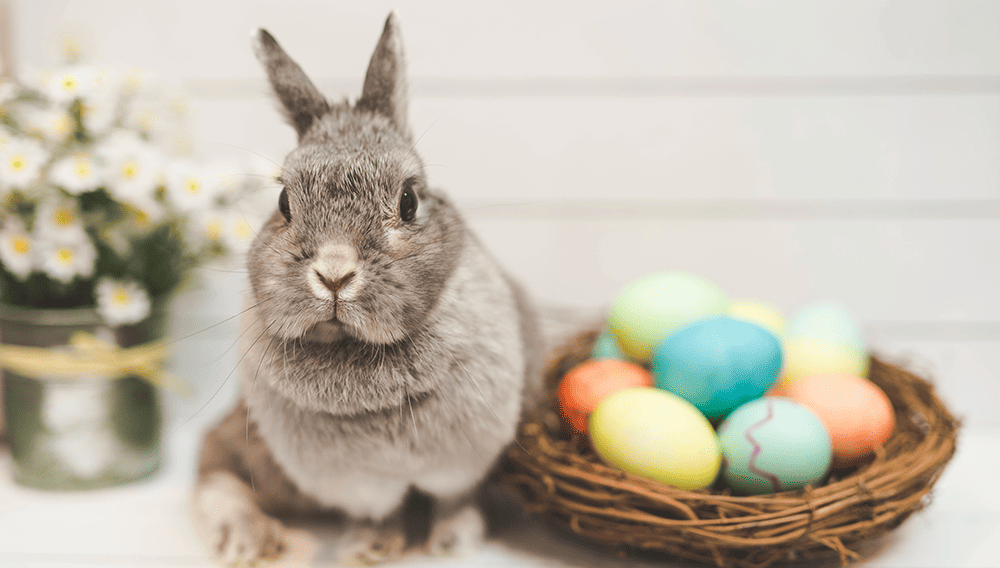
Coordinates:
[64,216]
[71,47]
[133,82]
[21,245]
[214,229]
[120,297]
[69,83]
[81,168]
[18,162]
[130,170]
[243,230]
[64,255]
[192,185]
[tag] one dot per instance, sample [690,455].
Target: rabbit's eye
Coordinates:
[408,205]
[283,205]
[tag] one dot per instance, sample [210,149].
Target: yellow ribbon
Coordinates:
[91,358]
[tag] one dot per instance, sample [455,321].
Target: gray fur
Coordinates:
[416,375]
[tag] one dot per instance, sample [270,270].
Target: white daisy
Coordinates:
[77,173]
[146,117]
[121,301]
[53,125]
[132,168]
[59,220]
[70,83]
[16,248]
[64,261]
[21,160]
[99,113]
[141,218]
[208,226]
[189,187]
[239,232]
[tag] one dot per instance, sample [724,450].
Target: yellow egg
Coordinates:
[758,313]
[805,357]
[658,435]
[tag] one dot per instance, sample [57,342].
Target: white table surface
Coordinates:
[148,524]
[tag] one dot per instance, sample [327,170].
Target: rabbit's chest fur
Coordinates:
[433,412]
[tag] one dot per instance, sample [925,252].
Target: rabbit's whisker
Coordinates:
[214,324]
[224,381]
[248,150]
[426,130]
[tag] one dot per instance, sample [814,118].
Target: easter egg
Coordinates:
[652,307]
[856,413]
[773,444]
[717,364]
[656,435]
[759,313]
[605,347]
[805,357]
[591,382]
[826,321]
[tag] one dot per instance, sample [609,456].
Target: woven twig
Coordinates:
[560,478]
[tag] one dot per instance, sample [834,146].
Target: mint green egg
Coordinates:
[652,307]
[605,347]
[773,444]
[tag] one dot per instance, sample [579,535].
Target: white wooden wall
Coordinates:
[791,151]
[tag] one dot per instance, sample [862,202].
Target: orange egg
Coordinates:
[591,382]
[857,413]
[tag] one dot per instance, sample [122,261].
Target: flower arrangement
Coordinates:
[101,201]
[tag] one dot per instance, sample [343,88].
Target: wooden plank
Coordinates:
[892,271]
[523,38]
[524,150]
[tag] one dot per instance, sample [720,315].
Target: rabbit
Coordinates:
[388,354]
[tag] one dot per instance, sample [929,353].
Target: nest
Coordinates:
[560,478]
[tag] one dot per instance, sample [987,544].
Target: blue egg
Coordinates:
[605,347]
[717,364]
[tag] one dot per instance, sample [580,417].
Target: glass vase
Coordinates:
[85,432]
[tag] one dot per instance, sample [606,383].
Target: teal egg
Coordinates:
[605,347]
[826,321]
[717,364]
[773,444]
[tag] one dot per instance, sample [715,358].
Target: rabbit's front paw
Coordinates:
[458,535]
[367,545]
[235,529]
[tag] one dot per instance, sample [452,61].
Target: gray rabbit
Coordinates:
[388,354]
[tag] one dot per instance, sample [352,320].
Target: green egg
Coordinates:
[652,307]
[773,444]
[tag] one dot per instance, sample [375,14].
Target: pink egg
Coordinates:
[857,414]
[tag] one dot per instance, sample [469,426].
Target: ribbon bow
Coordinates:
[89,358]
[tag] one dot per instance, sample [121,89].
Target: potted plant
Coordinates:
[104,214]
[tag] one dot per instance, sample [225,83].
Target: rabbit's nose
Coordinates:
[334,267]
[334,285]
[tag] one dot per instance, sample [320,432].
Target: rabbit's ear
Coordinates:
[385,83]
[302,101]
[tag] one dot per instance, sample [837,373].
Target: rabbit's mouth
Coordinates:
[328,331]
